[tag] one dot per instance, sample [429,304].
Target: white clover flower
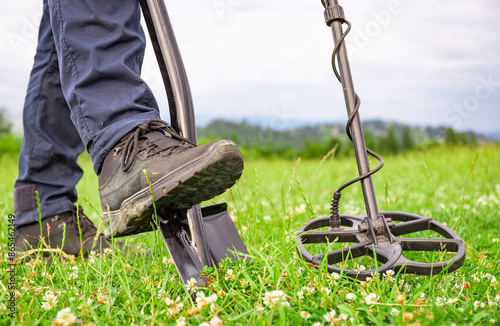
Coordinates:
[343,317]
[308,290]
[230,275]
[102,298]
[273,297]
[495,240]
[181,321]
[73,276]
[394,312]
[65,317]
[440,301]
[389,275]
[351,297]
[174,306]
[330,316]
[215,321]
[325,290]
[360,268]
[259,309]
[497,298]
[371,298]
[478,304]
[49,300]
[191,284]
[204,301]
[305,315]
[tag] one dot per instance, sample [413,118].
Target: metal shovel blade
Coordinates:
[223,239]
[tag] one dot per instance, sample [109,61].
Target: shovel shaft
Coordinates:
[355,128]
[179,98]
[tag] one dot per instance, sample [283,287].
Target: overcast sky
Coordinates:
[418,62]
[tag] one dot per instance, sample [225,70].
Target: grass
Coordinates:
[458,187]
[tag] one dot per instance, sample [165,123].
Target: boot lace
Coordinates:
[132,144]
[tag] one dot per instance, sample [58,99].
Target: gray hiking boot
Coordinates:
[61,232]
[180,175]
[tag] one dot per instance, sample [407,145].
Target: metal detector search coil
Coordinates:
[374,234]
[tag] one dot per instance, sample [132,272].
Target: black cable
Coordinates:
[335,206]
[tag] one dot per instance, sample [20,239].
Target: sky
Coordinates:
[417,62]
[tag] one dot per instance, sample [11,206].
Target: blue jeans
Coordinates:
[85,92]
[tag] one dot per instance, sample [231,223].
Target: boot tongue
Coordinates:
[157,141]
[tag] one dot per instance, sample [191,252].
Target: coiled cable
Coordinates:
[335,205]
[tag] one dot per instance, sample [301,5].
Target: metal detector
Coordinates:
[375,234]
[195,237]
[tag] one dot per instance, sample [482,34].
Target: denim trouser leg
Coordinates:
[85,92]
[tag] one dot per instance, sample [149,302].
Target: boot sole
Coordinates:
[190,184]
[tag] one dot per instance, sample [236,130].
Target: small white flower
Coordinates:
[394,312]
[329,316]
[300,295]
[360,268]
[273,297]
[49,300]
[181,321]
[308,290]
[495,240]
[325,290]
[102,298]
[174,307]
[316,324]
[351,296]
[203,301]
[65,317]
[259,309]
[497,298]
[229,275]
[305,315]
[73,276]
[389,275]
[440,301]
[478,304]
[343,317]
[371,298]
[191,284]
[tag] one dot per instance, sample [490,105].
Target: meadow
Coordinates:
[457,186]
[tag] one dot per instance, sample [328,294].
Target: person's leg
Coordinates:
[100,47]
[48,163]
[51,144]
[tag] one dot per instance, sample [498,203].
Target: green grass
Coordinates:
[458,187]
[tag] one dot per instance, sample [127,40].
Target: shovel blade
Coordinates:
[222,237]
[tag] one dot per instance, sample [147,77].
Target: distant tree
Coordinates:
[451,137]
[408,142]
[390,142]
[5,124]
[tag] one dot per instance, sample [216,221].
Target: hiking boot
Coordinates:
[27,237]
[180,175]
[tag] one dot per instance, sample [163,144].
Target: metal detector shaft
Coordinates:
[356,129]
[179,98]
